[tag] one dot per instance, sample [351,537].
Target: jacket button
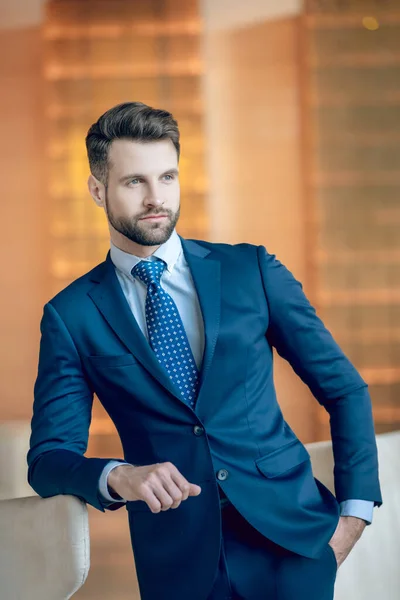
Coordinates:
[197,430]
[222,474]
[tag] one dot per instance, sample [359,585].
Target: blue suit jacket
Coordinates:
[250,303]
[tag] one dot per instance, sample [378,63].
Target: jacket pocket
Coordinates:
[107,361]
[283,459]
[333,556]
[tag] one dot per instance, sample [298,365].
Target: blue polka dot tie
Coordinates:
[167,335]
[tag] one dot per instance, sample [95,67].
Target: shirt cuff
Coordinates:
[362,509]
[103,487]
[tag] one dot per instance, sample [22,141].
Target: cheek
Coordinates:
[127,198]
[173,193]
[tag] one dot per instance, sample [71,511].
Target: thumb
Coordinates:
[195,490]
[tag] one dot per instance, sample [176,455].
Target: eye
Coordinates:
[134,181]
[170,177]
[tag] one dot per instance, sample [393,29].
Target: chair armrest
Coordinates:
[44,547]
[371,570]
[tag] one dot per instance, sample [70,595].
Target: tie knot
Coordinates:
[149,271]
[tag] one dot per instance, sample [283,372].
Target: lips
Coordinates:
[153,217]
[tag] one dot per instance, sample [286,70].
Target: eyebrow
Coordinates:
[173,171]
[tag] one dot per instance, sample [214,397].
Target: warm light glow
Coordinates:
[370,23]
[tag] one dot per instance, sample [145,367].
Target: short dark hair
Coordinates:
[130,120]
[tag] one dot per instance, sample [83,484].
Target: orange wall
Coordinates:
[22,211]
[254,160]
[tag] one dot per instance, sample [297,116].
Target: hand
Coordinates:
[347,533]
[160,485]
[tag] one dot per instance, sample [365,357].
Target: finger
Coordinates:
[152,501]
[182,484]
[195,490]
[187,489]
[163,497]
[155,495]
[172,473]
[174,491]
[175,485]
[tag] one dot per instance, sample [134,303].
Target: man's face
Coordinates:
[142,196]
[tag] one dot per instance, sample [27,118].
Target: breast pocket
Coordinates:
[107,361]
[282,460]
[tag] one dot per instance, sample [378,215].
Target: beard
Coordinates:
[144,235]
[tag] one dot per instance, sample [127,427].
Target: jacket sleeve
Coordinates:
[62,410]
[301,338]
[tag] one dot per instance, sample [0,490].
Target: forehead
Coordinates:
[129,156]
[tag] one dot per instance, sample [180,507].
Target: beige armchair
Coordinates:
[44,543]
[371,571]
[44,547]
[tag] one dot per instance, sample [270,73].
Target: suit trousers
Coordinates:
[252,567]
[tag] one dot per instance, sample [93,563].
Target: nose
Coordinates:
[153,201]
[153,197]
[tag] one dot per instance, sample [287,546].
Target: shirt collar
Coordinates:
[169,252]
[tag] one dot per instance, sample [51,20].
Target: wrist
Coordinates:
[356,520]
[355,525]
[113,481]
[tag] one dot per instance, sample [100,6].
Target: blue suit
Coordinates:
[235,438]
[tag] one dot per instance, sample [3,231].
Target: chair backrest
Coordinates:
[371,570]
[14,445]
[44,547]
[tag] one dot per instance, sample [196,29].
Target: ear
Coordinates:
[97,190]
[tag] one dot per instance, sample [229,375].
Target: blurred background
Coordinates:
[289,113]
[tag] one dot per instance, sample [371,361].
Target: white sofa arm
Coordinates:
[371,570]
[44,547]
[14,445]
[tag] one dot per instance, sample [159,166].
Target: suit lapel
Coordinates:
[206,277]
[111,302]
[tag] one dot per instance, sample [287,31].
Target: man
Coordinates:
[175,337]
